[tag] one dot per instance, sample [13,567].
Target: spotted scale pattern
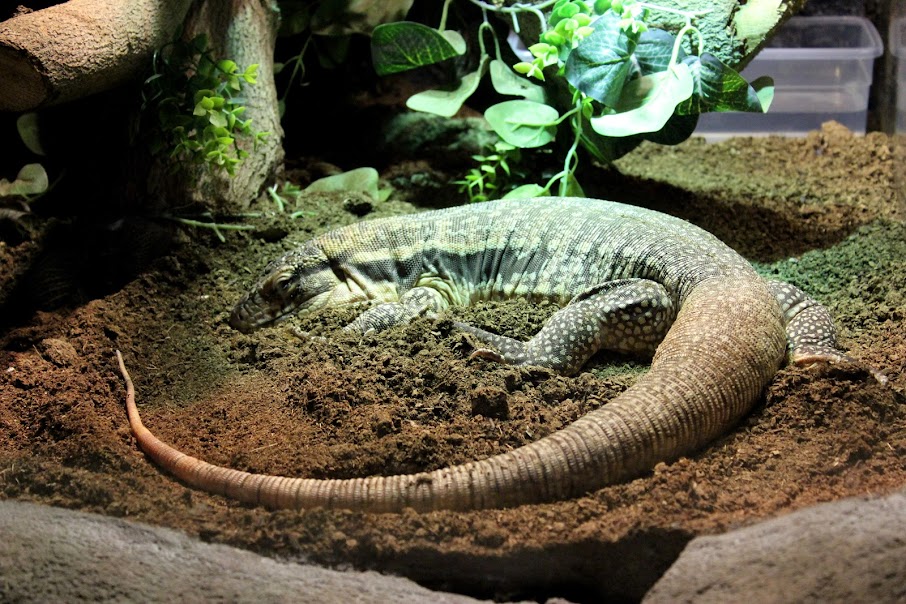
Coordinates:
[809,327]
[627,315]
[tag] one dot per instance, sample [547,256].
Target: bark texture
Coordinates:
[80,47]
[244,31]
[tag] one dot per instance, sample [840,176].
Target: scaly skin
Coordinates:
[628,279]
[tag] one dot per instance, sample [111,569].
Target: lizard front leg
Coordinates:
[628,315]
[414,303]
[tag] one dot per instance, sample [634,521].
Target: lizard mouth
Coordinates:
[252,313]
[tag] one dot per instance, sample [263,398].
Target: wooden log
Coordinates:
[80,47]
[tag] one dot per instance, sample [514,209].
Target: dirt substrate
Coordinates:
[820,212]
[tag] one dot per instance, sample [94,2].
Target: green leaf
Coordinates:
[251,74]
[217,119]
[601,6]
[295,19]
[677,129]
[573,188]
[365,180]
[456,40]
[447,102]
[202,94]
[524,124]
[227,66]
[564,11]
[28,126]
[405,45]
[600,64]
[717,88]
[31,180]
[764,88]
[525,192]
[506,81]
[647,103]
[654,50]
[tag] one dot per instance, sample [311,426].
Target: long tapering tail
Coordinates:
[724,347]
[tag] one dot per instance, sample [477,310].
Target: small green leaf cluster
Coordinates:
[569,22]
[494,175]
[288,195]
[625,81]
[198,106]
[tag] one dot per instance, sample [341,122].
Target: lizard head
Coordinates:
[301,280]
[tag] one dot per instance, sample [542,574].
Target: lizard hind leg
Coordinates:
[810,329]
[628,315]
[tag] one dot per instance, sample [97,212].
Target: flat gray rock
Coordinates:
[853,550]
[55,555]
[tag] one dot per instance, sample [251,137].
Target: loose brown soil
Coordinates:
[820,212]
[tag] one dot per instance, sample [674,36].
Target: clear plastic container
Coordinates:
[822,71]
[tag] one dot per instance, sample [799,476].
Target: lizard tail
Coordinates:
[715,361]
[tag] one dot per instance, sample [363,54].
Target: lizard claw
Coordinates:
[809,357]
[488,354]
[308,336]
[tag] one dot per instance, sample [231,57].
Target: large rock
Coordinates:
[852,550]
[55,555]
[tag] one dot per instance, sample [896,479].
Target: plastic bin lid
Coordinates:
[860,41]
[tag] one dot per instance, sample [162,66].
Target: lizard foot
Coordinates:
[307,336]
[487,354]
[804,356]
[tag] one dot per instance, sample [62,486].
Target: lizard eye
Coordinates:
[278,284]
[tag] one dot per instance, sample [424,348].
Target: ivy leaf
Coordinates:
[600,64]
[647,103]
[654,50]
[506,81]
[764,88]
[719,88]
[405,45]
[31,180]
[573,188]
[29,131]
[524,192]
[447,102]
[295,18]
[365,180]
[524,124]
[677,129]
